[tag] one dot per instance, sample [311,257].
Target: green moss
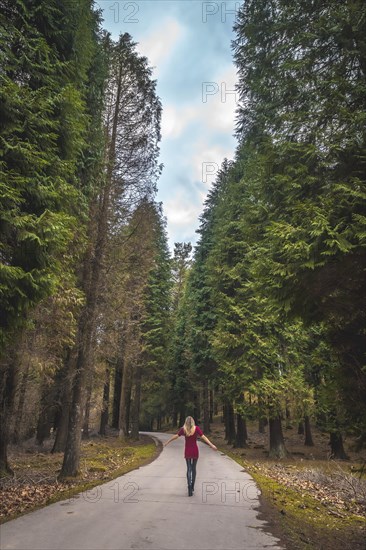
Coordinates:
[37,462]
[304,520]
[97,469]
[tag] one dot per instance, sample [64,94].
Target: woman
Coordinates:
[191,432]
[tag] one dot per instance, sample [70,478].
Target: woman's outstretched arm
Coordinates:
[206,440]
[171,439]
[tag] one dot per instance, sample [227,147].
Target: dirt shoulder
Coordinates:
[35,483]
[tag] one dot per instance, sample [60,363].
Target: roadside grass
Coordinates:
[308,500]
[35,482]
[305,521]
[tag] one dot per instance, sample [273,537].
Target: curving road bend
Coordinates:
[149,508]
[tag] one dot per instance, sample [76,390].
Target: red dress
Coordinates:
[191,447]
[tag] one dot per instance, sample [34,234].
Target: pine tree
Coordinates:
[302,84]
[45,58]
[179,363]
[156,327]
[132,127]
[200,302]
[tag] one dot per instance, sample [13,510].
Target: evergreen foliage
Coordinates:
[268,317]
[302,85]
[46,50]
[156,323]
[279,273]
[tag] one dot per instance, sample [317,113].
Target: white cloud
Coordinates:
[181,212]
[175,120]
[185,205]
[159,44]
[207,161]
[219,101]
[214,109]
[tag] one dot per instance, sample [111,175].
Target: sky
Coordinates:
[188,43]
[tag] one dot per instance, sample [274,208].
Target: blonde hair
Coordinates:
[189,426]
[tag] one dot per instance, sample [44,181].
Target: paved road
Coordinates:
[150,508]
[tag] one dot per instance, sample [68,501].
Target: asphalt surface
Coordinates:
[150,508]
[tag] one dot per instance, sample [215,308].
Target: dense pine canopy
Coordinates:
[278,282]
[266,319]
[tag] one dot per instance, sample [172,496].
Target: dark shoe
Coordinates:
[190,492]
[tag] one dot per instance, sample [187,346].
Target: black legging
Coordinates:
[191,471]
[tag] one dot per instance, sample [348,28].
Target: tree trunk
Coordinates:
[65,402]
[135,409]
[86,421]
[117,391]
[211,406]
[47,413]
[124,409]
[206,407]
[230,434]
[241,432]
[225,420]
[105,407]
[91,278]
[8,388]
[215,405]
[196,408]
[277,447]
[262,423]
[336,446]
[44,424]
[61,433]
[231,420]
[308,436]
[71,462]
[182,415]
[9,368]
[20,409]
[175,418]
[288,418]
[262,418]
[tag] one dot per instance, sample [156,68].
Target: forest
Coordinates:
[102,327]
